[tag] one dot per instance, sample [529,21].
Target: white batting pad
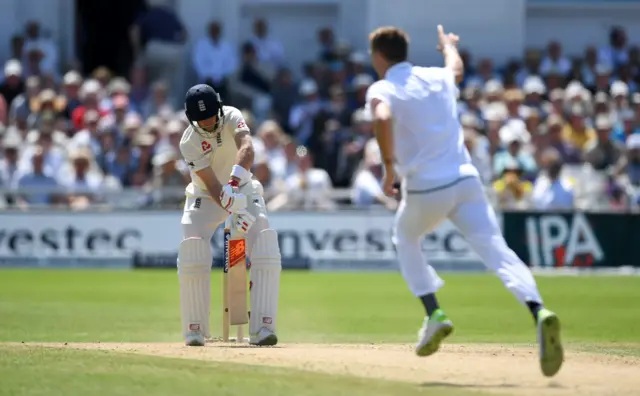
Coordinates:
[194,273]
[265,279]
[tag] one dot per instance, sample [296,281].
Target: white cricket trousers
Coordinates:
[464,203]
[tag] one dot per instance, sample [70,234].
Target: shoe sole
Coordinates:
[433,345]
[269,340]
[551,351]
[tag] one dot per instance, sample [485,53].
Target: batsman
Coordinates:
[218,149]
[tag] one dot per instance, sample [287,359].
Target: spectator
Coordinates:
[121,163]
[534,90]
[512,191]
[617,52]
[555,61]
[484,74]
[567,151]
[272,137]
[36,187]
[551,191]
[514,153]
[167,175]
[360,84]
[367,190]
[327,42]
[270,51]
[9,173]
[303,114]
[214,59]
[158,39]
[158,103]
[619,93]
[71,83]
[307,189]
[13,85]
[284,94]
[21,106]
[603,153]
[83,186]
[17,47]
[41,51]
[117,86]
[90,97]
[532,62]
[576,131]
[89,136]
[251,73]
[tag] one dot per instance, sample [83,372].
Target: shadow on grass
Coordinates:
[436,384]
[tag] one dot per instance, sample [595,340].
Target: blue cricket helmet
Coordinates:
[203,102]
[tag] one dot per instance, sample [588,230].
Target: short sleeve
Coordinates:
[379,90]
[235,119]
[196,152]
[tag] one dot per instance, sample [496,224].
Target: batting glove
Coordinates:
[230,199]
[242,220]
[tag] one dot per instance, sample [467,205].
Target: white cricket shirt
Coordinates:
[429,140]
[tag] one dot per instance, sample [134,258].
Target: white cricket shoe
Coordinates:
[433,331]
[194,338]
[265,337]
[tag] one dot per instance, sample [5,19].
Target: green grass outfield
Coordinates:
[142,306]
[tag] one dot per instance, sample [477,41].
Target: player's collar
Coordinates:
[397,68]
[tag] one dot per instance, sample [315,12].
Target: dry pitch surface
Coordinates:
[499,369]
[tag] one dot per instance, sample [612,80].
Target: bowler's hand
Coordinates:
[445,39]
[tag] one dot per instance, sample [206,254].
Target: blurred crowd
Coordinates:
[547,131]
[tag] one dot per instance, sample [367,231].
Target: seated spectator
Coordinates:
[304,113]
[534,91]
[576,131]
[514,153]
[82,185]
[90,97]
[9,165]
[35,187]
[484,73]
[360,85]
[269,50]
[167,175]
[159,102]
[551,191]
[122,163]
[619,93]
[34,39]
[513,192]
[251,73]
[603,78]
[532,62]
[88,137]
[118,86]
[513,99]
[214,59]
[327,43]
[603,153]
[367,188]
[617,52]
[273,139]
[284,95]
[308,189]
[13,84]
[71,84]
[21,106]
[555,60]
[568,152]
[631,171]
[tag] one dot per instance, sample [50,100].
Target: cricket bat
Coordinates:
[234,282]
